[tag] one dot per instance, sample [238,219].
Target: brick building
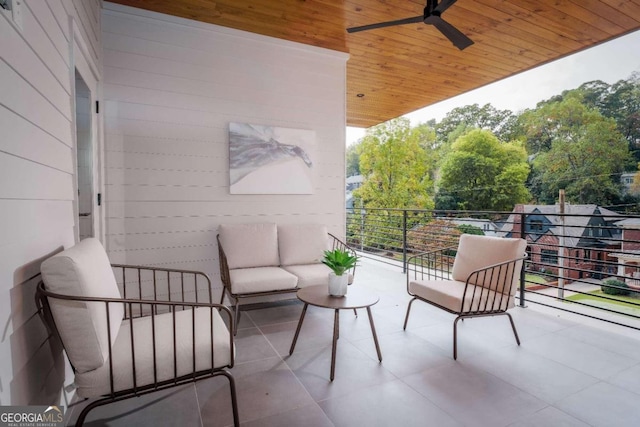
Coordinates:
[582,239]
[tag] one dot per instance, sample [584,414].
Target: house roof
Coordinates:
[403,68]
[576,220]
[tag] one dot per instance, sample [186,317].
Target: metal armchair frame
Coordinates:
[139,307]
[436,265]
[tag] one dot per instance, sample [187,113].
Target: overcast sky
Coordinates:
[608,62]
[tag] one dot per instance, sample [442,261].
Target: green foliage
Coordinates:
[461,120]
[615,287]
[621,102]
[395,167]
[579,140]
[470,229]
[576,149]
[482,173]
[339,261]
[353,159]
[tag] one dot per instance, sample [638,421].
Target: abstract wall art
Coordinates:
[270,160]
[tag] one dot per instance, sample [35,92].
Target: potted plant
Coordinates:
[339,261]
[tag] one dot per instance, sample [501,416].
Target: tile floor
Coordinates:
[567,372]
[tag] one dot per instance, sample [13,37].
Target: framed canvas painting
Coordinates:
[270,160]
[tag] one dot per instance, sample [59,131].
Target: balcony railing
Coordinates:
[588,264]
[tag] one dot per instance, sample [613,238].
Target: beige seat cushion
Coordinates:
[302,243]
[261,279]
[312,274]
[449,294]
[96,382]
[83,270]
[250,245]
[476,252]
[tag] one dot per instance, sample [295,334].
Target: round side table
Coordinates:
[355,298]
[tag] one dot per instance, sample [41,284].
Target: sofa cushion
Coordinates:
[302,243]
[476,252]
[250,245]
[95,383]
[312,274]
[261,279]
[83,270]
[449,294]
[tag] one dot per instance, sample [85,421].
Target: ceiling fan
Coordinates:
[432,16]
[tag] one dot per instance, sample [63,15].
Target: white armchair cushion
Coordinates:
[84,270]
[96,382]
[302,243]
[250,245]
[312,274]
[476,252]
[449,294]
[261,279]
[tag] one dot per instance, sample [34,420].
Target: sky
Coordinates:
[609,62]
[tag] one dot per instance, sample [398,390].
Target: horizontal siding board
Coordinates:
[61,17]
[42,12]
[235,89]
[41,44]
[23,179]
[197,44]
[233,100]
[29,65]
[17,95]
[22,219]
[163,145]
[133,54]
[24,139]
[119,127]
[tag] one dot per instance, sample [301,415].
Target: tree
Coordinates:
[396,175]
[462,119]
[577,149]
[619,101]
[395,168]
[353,159]
[482,173]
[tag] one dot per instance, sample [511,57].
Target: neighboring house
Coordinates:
[486,225]
[626,179]
[353,182]
[629,254]
[589,233]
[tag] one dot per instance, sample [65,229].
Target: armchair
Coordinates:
[158,333]
[480,281]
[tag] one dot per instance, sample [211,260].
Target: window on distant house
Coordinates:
[535,225]
[549,256]
[587,254]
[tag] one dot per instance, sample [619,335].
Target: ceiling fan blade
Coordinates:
[449,31]
[413,20]
[443,5]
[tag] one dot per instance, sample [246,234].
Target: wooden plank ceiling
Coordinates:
[400,69]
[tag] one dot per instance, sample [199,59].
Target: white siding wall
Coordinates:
[171,88]
[36,182]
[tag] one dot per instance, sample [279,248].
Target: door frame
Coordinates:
[82,62]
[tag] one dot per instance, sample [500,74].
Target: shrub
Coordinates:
[615,287]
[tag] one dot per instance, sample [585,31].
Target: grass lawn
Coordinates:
[630,303]
[533,279]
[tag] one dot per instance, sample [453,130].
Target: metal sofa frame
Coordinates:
[237,298]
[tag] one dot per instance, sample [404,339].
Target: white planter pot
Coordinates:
[338,284]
